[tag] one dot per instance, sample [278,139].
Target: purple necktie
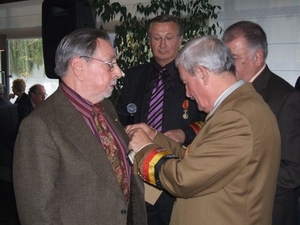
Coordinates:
[155,112]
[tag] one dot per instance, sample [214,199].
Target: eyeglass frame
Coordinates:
[41,93]
[110,64]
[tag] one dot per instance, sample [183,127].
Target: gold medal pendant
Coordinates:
[185,106]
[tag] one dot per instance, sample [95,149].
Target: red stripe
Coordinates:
[146,163]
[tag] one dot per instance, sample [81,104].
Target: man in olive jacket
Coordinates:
[227,175]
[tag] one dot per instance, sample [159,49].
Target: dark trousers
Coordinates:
[160,212]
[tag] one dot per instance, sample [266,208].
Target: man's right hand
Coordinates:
[176,134]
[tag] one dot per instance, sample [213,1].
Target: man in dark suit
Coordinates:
[297,191]
[37,94]
[248,43]
[165,35]
[297,84]
[69,163]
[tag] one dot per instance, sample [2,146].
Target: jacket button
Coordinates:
[123,211]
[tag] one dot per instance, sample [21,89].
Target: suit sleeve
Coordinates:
[216,156]
[289,124]
[35,159]
[190,131]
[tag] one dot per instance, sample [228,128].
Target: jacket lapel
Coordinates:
[76,130]
[260,82]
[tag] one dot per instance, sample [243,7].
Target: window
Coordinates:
[26,62]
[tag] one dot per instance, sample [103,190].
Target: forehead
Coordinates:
[183,74]
[237,44]
[104,48]
[40,88]
[164,28]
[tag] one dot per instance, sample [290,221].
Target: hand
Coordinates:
[148,130]
[176,134]
[11,95]
[139,136]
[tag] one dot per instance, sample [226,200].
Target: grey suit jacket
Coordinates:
[61,172]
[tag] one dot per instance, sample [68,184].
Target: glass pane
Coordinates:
[26,62]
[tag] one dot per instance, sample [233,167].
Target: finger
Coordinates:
[128,128]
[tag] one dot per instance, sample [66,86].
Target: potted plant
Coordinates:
[131,40]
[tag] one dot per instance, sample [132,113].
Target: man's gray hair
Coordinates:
[207,51]
[81,42]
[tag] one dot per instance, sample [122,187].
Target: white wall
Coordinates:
[280,19]
[21,19]
[281,22]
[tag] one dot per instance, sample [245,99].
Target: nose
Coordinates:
[162,41]
[118,73]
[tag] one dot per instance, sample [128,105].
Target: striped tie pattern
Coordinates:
[155,112]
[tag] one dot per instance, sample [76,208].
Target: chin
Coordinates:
[107,95]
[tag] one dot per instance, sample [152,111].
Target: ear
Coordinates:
[259,57]
[202,74]
[180,39]
[77,66]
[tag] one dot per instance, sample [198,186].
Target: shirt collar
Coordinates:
[80,103]
[170,67]
[225,94]
[257,74]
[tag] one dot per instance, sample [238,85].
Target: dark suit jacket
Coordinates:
[62,174]
[136,82]
[23,97]
[4,102]
[25,107]
[284,101]
[297,84]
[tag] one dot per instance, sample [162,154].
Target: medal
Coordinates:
[185,106]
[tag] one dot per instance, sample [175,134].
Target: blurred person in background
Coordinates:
[18,88]
[3,101]
[37,94]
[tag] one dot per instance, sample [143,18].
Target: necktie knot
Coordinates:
[161,72]
[97,107]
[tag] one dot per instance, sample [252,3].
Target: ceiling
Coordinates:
[10,1]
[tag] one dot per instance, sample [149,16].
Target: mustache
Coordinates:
[113,82]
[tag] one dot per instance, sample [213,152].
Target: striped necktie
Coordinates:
[155,112]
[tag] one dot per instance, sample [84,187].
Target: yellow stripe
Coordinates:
[152,164]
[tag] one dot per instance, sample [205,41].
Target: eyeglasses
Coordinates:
[110,64]
[160,38]
[42,94]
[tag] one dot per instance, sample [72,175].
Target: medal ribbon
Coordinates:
[185,104]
